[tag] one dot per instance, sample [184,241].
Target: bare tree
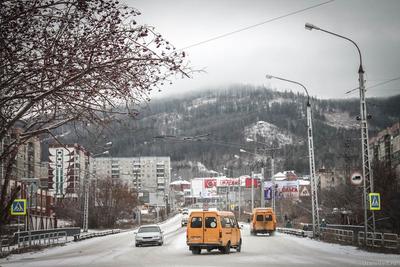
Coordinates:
[73,60]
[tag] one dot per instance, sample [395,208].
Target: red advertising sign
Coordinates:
[227,182]
[256,182]
[210,183]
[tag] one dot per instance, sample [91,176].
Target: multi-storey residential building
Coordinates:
[68,167]
[385,147]
[27,161]
[146,174]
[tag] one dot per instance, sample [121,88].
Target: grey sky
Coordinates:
[325,64]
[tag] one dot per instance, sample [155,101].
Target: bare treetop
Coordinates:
[65,60]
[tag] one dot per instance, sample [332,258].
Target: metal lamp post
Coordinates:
[313,177]
[368,182]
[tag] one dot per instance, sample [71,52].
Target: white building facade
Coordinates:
[68,169]
[150,176]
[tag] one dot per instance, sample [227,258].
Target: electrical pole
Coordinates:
[313,178]
[239,199]
[368,183]
[86,205]
[252,191]
[273,183]
[262,200]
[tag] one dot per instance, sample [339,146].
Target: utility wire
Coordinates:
[375,85]
[256,25]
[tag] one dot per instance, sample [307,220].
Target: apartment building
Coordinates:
[149,175]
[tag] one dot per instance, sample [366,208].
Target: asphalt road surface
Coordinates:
[278,250]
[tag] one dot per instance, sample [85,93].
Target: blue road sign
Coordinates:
[18,207]
[374,201]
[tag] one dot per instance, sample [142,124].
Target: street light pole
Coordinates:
[273,184]
[313,177]
[252,191]
[368,182]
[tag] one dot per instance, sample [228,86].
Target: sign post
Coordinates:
[18,208]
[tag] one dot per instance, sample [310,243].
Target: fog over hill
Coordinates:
[211,126]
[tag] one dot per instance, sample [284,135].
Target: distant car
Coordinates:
[149,235]
[185,211]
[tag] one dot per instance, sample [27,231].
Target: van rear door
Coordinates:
[259,223]
[211,228]
[195,228]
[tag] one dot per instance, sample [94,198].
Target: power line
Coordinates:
[375,85]
[256,25]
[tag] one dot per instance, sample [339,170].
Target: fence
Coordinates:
[44,239]
[379,240]
[293,231]
[41,238]
[337,235]
[96,234]
[9,245]
[383,241]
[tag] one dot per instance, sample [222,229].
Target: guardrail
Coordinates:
[293,231]
[44,239]
[70,231]
[33,239]
[96,234]
[9,245]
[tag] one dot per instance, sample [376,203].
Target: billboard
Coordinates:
[283,189]
[204,187]
[256,182]
[222,182]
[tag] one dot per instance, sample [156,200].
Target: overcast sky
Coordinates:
[325,64]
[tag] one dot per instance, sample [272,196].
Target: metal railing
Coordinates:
[96,234]
[379,240]
[293,231]
[44,239]
[337,235]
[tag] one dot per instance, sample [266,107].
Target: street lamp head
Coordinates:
[249,140]
[236,156]
[269,76]
[242,150]
[310,26]
[109,143]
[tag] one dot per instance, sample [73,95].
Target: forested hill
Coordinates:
[211,126]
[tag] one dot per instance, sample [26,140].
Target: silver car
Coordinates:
[149,234]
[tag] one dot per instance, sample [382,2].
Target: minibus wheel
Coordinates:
[239,247]
[227,248]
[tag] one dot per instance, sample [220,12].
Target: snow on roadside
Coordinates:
[168,226]
[350,253]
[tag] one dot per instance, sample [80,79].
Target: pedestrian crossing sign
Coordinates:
[18,207]
[374,201]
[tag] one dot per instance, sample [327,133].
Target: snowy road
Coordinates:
[279,250]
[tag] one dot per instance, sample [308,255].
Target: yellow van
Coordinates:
[263,220]
[213,230]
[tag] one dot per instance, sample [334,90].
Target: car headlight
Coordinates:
[138,238]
